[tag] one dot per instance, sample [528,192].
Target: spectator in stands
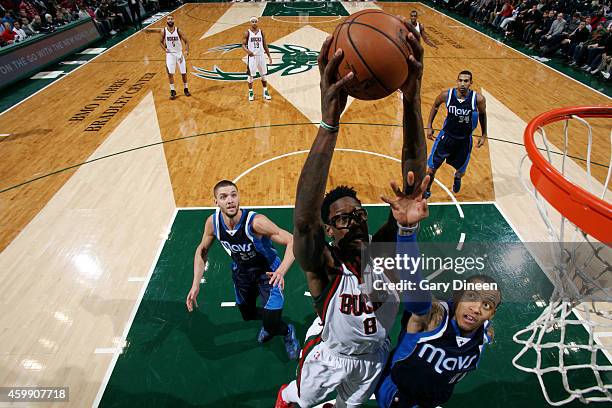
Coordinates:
[7,18]
[580,53]
[579,36]
[8,35]
[20,34]
[135,13]
[553,36]
[544,27]
[37,25]
[103,16]
[59,19]
[25,26]
[598,18]
[532,20]
[596,50]
[504,13]
[28,8]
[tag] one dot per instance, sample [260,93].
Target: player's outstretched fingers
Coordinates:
[332,66]
[322,59]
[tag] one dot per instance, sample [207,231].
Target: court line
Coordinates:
[244,173]
[308,20]
[505,217]
[76,69]
[218,132]
[135,308]
[515,50]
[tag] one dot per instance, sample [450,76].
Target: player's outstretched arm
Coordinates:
[199,262]
[481,103]
[434,111]
[309,240]
[408,211]
[414,147]
[426,38]
[262,225]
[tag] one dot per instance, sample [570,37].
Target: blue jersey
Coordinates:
[426,366]
[462,115]
[249,253]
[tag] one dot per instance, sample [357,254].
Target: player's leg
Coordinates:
[171,69]
[262,68]
[318,375]
[250,72]
[361,381]
[183,70]
[246,295]
[459,159]
[436,157]
[273,325]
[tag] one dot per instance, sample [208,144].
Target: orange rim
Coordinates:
[583,209]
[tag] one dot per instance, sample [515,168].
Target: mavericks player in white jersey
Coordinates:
[414,15]
[348,353]
[171,43]
[254,43]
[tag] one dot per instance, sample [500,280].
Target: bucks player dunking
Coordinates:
[454,142]
[257,269]
[349,351]
[254,43]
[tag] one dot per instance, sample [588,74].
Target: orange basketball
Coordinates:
[375,49]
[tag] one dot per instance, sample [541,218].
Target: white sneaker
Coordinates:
[113,32]
[266,95]
[251,96]
[605,75]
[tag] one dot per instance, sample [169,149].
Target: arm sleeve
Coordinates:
[415,300]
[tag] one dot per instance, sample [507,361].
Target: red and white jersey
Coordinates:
[352,325]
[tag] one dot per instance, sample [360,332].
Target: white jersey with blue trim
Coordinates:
[248,251]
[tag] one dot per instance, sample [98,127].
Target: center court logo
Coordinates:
[289,59]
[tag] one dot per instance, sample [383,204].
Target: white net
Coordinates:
[571,340]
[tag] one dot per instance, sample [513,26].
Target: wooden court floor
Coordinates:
[96,164]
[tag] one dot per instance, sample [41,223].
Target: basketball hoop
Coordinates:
[579,224]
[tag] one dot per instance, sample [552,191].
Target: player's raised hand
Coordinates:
[408,209]
[333,94]
[277,279]
[415,61]
[192,298]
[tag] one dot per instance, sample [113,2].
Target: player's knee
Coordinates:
[263,78]
[247,312]
[250,79]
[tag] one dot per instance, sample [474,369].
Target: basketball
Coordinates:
[375,50]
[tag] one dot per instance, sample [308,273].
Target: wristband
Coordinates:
[404,231]
[332,129]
